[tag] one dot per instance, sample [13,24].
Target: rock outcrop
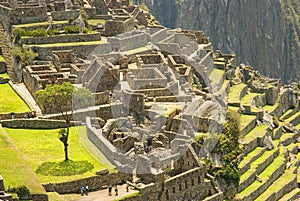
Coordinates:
[263,34]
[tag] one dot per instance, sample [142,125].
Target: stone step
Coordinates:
[284,184]
[256,167]
[268,176]
[291,196]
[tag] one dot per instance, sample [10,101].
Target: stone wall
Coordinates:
[115,27]
[65,15]
[110,151]
[94,183]
[8,115]
[136,40]
[23,15]
[2,67]
[80,50]
[62,38]
[35,123]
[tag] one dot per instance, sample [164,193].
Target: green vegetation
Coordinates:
[39,24]
[69,44]
[247,99]
[11,102]
[228,145]
[64,168]
[40,146]
[234,93]
[94,22]
[15,169]
[278,161]
[143,6]
[23,54]
[134,194]
[64,97]
[245,120]
[53,196]
[4,75]
[250,156]
[257,132]
[2,58]
[72,29]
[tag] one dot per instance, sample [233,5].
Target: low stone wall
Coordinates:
[39,197]
[249,127]
[4,80]
[35,123]
[19,115]
[216,197]
[2,67]
[62,38]
[94,183]
[65,15]
[81,50]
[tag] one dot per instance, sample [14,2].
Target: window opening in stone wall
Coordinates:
[174,190]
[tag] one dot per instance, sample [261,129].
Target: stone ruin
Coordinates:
[4,196]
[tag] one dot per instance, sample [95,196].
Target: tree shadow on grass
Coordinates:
[64,168]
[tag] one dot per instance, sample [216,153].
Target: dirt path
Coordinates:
[103,194]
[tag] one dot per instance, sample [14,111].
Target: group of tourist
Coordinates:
[84,190]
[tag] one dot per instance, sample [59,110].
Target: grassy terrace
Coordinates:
[277,162]
[94,22]
[234,109]
[245,120]
[292,117]
[39,24]
[249,157]
[258,131]
[270,108]
[137,50]
[14,167]
[247,99]
[290,194]
[287,177]
[215,76]
[286,113]
[42,147]
[234,93]
[4,75]
[69,44]
[255,163]
[2,58]
[10,101]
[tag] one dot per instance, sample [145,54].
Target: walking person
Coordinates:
[86,190]
[109,190]
[82,190]
[116,189]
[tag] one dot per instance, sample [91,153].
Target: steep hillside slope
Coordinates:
[264,34]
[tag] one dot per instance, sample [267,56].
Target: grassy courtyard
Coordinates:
[44,154]
[10,101]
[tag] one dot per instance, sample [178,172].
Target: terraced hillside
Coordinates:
[269,134]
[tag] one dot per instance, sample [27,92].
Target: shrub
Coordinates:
[22,191]
[72,29]
[53,32]
[38,32]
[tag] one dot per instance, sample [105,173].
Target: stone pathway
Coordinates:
[103,194]
[23,92]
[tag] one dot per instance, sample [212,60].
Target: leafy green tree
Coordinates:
[65,98]
[23,54]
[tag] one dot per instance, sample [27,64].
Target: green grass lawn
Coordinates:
[14,167]
[258,131]
[2,58]
[234,93]
[247,99]
[42,148]
[53,196]
[94,22]
[69,44]
[10,101]
[4,75]
[39,24]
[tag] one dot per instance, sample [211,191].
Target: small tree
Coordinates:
[24,54]
[65,98]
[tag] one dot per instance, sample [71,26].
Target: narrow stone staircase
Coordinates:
[7,56]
